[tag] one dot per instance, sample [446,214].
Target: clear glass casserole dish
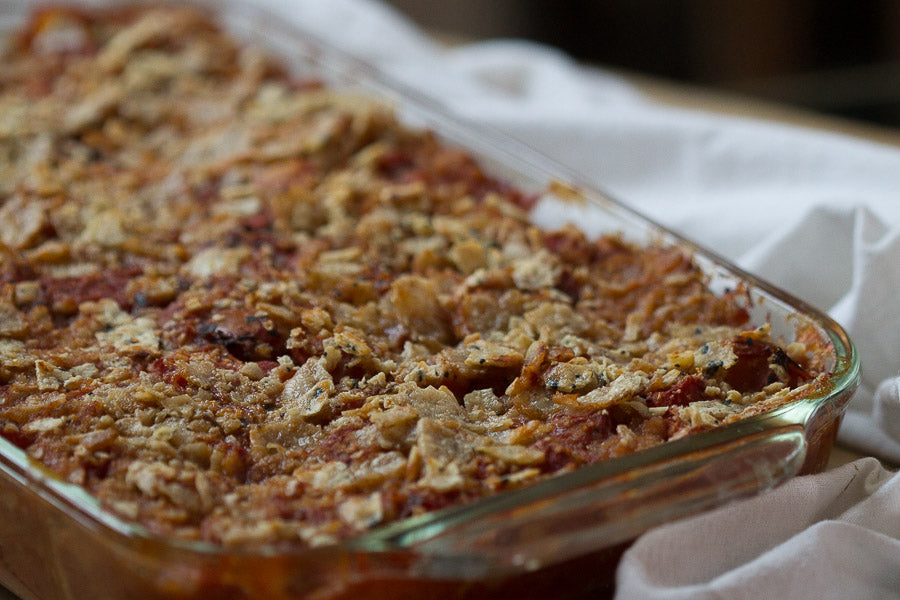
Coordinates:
[562,535]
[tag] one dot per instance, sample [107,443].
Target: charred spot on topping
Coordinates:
[246,337]
[711,368]
[795,372]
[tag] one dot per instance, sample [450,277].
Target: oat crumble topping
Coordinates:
[247,309]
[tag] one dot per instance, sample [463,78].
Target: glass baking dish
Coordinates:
[562,536]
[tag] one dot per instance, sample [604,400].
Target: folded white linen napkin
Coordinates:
[835,536]
[815,213]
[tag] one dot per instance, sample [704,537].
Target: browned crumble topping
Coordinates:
[247,309]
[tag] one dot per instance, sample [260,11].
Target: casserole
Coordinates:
[522,537]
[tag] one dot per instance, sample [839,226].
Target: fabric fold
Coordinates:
[833,535]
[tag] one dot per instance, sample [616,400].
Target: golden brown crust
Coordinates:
[246,309]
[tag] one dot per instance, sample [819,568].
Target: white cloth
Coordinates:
[839,539]
[816,213]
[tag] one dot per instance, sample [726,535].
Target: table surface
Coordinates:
[721,102]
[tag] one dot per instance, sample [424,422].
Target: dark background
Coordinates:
[840,57]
